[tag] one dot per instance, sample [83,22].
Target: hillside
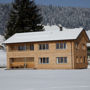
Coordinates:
[69,17]
[1,39]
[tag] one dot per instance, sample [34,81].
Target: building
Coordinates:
[64,49]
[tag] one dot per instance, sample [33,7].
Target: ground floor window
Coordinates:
[44,60]
[77,60]
[80,60]
[84,59]
[61,60]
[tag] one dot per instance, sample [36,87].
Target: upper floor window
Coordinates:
[44,60]
[32,47]
[43,46]
[83,46]
[21,48]
[61,60]
[76,45]
[60,45]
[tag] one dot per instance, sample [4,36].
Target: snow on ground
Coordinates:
[2,58]
[45,79]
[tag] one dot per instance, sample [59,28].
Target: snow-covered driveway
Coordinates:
[45,79]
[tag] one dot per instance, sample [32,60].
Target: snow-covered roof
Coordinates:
[88,33]
[50,34]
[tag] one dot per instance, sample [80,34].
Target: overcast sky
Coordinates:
[67,3]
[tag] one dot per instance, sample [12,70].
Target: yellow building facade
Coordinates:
[49,54]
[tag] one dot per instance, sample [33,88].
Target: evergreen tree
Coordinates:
[24,17]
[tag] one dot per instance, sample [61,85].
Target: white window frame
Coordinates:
[57,58]
[42,60]
[42,46]
[64,43]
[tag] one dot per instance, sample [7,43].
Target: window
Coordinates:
[60,45]
[44,60]
[43,46]
[61,60]
[81,61]
[65,45]
[32,47]
[57,45]
[83,46]
[65,59]
[40,46]
[76,46]
[21,48]
[77,60]
[84,60]
[47,46]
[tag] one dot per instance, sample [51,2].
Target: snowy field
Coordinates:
[2,58]
[45,79]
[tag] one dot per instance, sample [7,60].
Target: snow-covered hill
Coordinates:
[2,39]
[2,53]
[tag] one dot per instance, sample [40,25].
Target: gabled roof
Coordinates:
[47,35]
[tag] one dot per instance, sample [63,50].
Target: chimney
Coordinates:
[60,27]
